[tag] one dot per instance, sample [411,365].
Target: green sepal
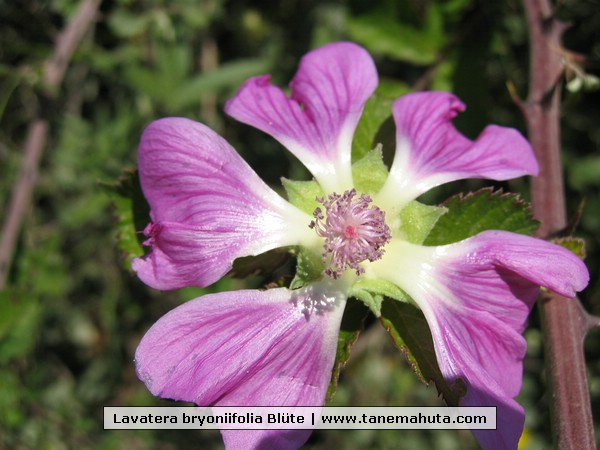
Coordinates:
[303,194]
[483,210]
[353,320]
[369,173]
[132,214]
[372,292]
[574,244]
[309,268]
[409,330]
[20,319]
[417,220]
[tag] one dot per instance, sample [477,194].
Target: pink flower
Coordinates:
[277,347]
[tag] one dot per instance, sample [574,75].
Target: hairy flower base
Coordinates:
[354,232]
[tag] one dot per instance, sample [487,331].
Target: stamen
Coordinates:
[353,232]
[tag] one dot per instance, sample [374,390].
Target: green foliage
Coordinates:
[172,84]
[72,315]
[410,332]
[352,324]
[132,214]
[19,320]
[483,210]
[217,80]
[385,32]
[377,110]
[584,172]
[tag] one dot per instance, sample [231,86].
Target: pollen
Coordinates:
[353,230]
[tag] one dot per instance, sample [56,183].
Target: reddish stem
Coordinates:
[564,321]
[54,71]
[21,196]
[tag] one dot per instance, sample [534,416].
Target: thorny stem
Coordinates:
[37,133]
[564,321]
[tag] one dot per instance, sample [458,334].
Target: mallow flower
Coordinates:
[276,347]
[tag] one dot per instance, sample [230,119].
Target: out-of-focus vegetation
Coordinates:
[72,314]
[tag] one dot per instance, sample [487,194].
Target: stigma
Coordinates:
[354,232]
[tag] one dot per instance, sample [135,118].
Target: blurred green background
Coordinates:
[72,314]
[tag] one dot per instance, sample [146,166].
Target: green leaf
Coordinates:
[132,214]
[353,320]
[369,173]
[162,82]
[382,33]
[12,395]
[583,172]
[173,63]
[227,75]
[390,89]
[410,332]
[127,25]
[20,317]
[483,210]
[377,110]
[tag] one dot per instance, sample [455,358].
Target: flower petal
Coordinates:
[246,348]
[476,296]
[208,207]
[487,355]
[317,122]
[430,151]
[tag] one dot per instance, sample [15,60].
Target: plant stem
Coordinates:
[37,132]
[564,322]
